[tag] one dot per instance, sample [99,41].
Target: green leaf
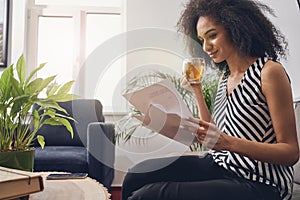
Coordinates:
[46,82]
[5,82]
[41,140]
[16,90]
[19,102]
[65,116]
[50,104]
[51,90]
[26,109]
[65,88]
[62,97]
[33,86]
[52,122]
[33,72]
[60,121]
[50,113]
[67,124]
[36,119]
[21,69]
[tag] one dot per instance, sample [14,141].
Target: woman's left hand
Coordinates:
[209,135]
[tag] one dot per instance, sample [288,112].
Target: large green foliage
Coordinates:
[18,93]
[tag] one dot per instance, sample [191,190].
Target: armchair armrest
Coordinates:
[101,152]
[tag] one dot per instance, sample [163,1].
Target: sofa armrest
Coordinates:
[101,152]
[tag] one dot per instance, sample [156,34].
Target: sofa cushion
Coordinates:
[297,173]
[296,192]
[61,158]
[297,165]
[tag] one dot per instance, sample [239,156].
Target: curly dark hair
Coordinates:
[249,29]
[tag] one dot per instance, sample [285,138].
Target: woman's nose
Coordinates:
[207,46]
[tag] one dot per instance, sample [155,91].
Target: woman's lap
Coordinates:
[208,190]
[188,177]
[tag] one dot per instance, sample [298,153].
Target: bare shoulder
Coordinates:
[275,81]
[273,71]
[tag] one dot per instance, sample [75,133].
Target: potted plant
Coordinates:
[18,93]
[126,126]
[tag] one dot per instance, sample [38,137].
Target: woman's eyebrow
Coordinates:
[207,32]
[210,30]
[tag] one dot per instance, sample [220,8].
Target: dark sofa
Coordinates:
[91,150]
[296,191]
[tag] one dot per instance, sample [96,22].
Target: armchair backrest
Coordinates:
[84,111]
[297,165]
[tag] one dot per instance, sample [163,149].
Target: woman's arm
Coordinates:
[204,113]
[196,89]
[277,90]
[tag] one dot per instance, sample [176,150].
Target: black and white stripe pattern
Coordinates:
[244,114]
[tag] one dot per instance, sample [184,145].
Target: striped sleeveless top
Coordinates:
[244,114]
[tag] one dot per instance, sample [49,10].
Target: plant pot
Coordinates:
[23,159]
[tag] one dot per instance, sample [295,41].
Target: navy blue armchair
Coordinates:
[90,150]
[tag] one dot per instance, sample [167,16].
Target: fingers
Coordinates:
[204,123]
[189,86]
[184,83]
[201,137]
[198,121]
[189,126]
[194,120]
[206,133]
[191,123]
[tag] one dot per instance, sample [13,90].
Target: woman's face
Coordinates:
[215,40]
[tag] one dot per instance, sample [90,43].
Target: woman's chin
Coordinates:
[217,61]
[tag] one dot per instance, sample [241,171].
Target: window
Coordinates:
[65,33]
[114,3]
[4,9]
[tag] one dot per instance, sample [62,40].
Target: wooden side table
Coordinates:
[75,189]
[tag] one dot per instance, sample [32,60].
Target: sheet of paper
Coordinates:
[163,111]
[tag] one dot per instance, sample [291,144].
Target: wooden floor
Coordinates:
[115,193]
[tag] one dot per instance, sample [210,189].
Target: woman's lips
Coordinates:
[213,55]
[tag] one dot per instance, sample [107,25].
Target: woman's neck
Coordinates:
[239,64]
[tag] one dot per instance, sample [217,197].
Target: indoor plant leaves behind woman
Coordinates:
[18,94]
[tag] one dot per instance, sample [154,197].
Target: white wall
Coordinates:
[157,20]
[288,21]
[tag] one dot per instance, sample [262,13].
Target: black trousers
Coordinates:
[191,178]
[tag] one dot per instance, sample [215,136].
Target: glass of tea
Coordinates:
[193,69]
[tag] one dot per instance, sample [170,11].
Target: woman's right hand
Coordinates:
[188,86]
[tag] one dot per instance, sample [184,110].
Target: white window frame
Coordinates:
[79,14]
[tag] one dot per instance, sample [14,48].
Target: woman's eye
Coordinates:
[213,36]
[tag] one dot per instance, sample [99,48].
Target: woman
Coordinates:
[252,131]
